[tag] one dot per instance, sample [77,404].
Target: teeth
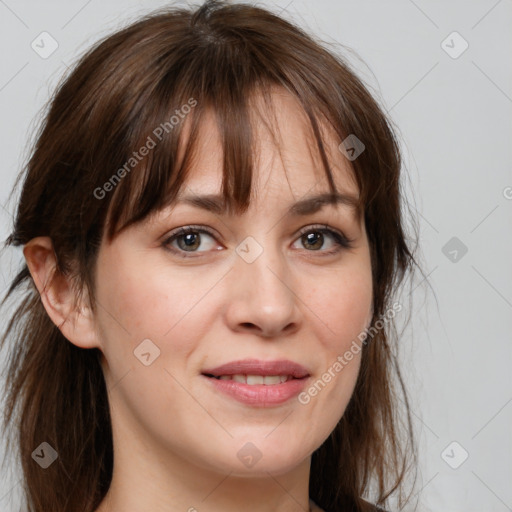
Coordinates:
[267,380]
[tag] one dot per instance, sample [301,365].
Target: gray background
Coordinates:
[454,118]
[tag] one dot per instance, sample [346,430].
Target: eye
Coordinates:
[314,237]
[188,239]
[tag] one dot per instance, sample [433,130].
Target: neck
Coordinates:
[147,477]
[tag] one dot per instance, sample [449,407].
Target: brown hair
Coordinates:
[123,89]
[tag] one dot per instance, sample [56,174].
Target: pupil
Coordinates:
[189,240]
[311,239]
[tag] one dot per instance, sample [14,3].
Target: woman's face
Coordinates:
[253,289]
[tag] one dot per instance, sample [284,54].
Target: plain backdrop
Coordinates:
[443,71]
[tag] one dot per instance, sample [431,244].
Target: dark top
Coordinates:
[315,507]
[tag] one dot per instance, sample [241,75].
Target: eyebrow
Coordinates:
[215,203]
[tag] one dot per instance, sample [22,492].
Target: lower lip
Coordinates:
[259,395]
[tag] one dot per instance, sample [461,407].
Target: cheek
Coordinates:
[343,304]
[142,296]
[340,312]
[143,300]
[352,305]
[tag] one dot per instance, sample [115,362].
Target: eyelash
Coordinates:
[341,241]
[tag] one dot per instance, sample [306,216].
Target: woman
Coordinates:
[211,223]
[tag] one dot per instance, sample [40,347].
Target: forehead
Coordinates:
[287,163]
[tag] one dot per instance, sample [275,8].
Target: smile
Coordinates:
[251,380]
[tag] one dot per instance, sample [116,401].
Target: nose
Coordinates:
[262,299]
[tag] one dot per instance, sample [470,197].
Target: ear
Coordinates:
[59,298]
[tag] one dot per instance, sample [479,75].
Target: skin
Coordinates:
[175,438]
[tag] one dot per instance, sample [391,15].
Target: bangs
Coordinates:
[219,79]
[139,120]
[171,135]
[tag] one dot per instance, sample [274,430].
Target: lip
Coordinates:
[258,367]
[259,395]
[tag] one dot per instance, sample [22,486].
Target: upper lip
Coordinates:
[258,367]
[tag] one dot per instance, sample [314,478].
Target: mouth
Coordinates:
[258,383]
[254,380]
[252,370]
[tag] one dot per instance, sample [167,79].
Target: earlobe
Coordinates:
[74,319]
